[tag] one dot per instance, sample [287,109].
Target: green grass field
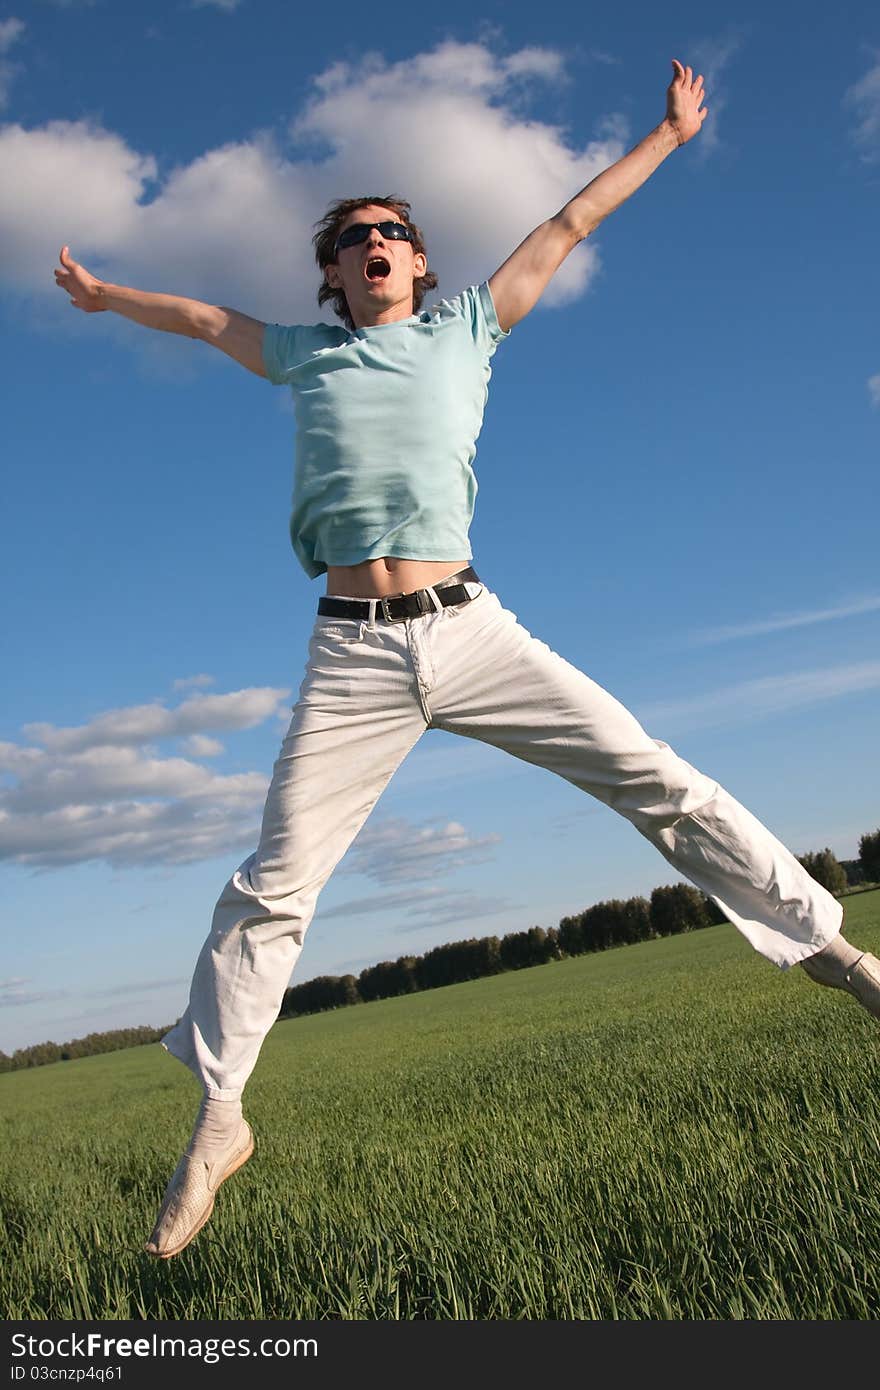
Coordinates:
[674,1130]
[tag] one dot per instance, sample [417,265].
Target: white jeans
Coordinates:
[369,693]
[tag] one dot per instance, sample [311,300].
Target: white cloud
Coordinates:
[13,996]
[102,791]
[712,57]
[783,622]
[423,907]
[134,988]
[863,98]
[98,774]
[198,746]
[15,758]
[445,759]
[192,682]
[235,223]
[874,389]
[756,699]
[124,833]
[11,31]
[67,181]
[366,907]
[240,709]
[396,850]
[530,62]
[462,140]
[453,907]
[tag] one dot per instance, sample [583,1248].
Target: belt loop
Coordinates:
[372,621]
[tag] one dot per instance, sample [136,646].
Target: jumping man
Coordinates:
[388,408]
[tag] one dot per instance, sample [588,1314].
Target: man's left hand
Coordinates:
[684,97]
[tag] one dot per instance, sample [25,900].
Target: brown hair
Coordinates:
[328,230]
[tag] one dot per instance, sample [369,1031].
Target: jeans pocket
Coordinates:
[338,632]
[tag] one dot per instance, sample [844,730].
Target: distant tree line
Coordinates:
[671,909]
[92,1043]
[865,869]
[677,908]
[839,875]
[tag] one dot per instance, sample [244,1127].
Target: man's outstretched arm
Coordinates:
[239,336]
[519,283]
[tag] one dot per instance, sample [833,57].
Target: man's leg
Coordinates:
[357,717]
[499,684]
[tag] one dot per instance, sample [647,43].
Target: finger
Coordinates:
[679,70]
[698,88]
[704,113]
[688,75]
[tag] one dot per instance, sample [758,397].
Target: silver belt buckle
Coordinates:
[389,617]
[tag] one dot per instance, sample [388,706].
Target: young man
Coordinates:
[388,411]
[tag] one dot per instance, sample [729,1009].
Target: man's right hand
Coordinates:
[83,288]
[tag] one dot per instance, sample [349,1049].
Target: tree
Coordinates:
[571,935]
[635,920]
[485,956]
[554,949]
[853,870]
[458,961]
[347,991]
[520,949]
[714,915]
[826,869]
[676,907]
[388,979]
[323,992]
[869,856]
[514,950]
[598,926]
[604,925]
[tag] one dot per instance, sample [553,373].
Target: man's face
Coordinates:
[377,275]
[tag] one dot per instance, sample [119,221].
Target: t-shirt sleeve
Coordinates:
[496,333]
[286,348]
[282,349]
[477,308]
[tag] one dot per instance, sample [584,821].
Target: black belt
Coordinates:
[399,607]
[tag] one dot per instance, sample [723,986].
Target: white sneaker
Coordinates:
[189,1196]
[861,980]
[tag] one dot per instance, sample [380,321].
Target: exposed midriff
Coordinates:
[388,575]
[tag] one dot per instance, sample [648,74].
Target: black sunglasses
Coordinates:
[359,231]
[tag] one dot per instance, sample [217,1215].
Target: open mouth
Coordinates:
[377,268]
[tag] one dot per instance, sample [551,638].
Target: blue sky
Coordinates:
[677,467]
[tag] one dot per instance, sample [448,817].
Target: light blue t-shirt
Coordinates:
[387,420]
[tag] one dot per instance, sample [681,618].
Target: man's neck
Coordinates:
[370,316]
